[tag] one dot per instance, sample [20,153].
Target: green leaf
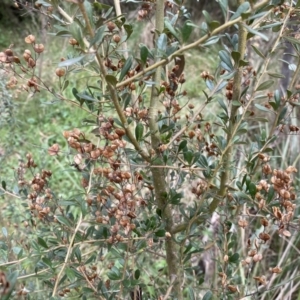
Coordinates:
[202,161]
[72,61]
[255,32]
[126,67]
[258,52]
[182,145]
[162,43]
[236,103]
[76,32]
[137,274]
[186,31]
[276,75]
[282,115]
[292,40]
[111,79]
[42,242]
[77,253]
[213,25]
[4,231]
[63,220]
[265,85]
[207,16]
[223,105]
[277,98]
[234,258]
[99,36]
[170,27]
[66,83]
[64,33]
[211,41]
[262,108]
[160,233]
[225,58]
[47,261]
[128,29]
[243,8]
[191,293]
[208,296]
[236,56]
[114,274]
[144,52]
[188,156]
[75,94]
[209,83]
[139,131]
[89,11]
[252,189]
[243,63]
[3,183]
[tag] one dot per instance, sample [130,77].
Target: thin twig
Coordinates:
[67,256]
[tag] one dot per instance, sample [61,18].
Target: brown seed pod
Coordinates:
[38,48]
[116,38]
[60,72]
[30,39]
[73,42]
[111,26]
[31,63]
[8,52]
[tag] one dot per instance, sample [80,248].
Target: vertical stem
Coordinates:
[158,174]
[237,82]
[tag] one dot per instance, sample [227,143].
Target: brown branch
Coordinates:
[188,47]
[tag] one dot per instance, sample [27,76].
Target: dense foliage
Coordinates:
[151,191]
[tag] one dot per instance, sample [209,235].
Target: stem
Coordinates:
[119,13]
[186,226]
[158,174]
[112,89]
[237,85]
[188,47]
[67,256]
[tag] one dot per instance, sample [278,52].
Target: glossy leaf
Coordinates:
[111,79]
[252,189]
[225,58]
[236,56]
[139,131]
[258,52]
[162,43]
[255,32]
[211,41]
[265,85]
[63,220]
[126,67]
[262,108]
[42,242]
[186,31]
[243,8]
[99,36]
[170,27]
[208,296]
[144,52]
[128,29]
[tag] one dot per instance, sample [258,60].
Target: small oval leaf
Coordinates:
[265,85]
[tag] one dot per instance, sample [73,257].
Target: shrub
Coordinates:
[156,167]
